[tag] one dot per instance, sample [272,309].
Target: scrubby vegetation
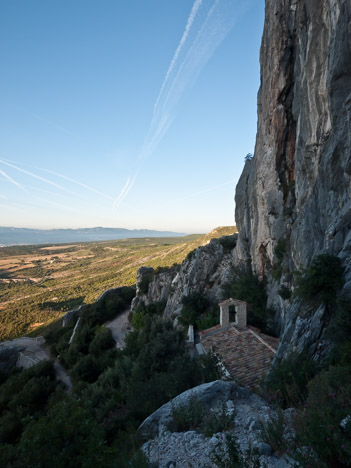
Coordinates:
[279,251]
[143,311]
[320,393]
[113,390]
[228,242]
[286,385]
[199,310]
[321,281]
[193,416]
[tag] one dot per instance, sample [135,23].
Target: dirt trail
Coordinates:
[33,350]
[119,327]
[61,374]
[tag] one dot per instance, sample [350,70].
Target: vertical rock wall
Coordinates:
[297,188]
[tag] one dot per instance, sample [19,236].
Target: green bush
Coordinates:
[284,293]
[286,383]
[102,341]
[321,281]
[207,321]
[273,432]
[187,417]
[145,281]
[228,242]
[194,305]
[280,249]
[10,428]
[231,457]
[139,314]
[192,416]
[318,423]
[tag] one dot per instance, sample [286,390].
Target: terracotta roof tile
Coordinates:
[246,353]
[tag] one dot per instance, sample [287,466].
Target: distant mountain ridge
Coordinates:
[26,236]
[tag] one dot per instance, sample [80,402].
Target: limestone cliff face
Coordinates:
[204,270]
[297,188]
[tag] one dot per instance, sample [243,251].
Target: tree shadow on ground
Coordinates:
[63,306]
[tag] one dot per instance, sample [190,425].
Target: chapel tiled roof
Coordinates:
[245,352]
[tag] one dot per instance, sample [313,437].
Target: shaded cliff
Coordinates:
[295,192]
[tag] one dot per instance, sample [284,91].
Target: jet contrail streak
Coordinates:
[188,26]
[6,176]
[53,124]
[192,54]
[123,193]
[41,178]
[77,183]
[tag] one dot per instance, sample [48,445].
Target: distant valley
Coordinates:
[24,236]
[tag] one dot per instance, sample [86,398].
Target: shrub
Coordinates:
[321,281]
[231,457]
[318,424]
[194,305]
[86,369]
[153,309]
[286,384]
[284,293]
[187,417]
[10,428]
[193,416]
[280,249]
[207,321]
[273,431]
[228,242]
[145,281]
[102,341]
[127,293]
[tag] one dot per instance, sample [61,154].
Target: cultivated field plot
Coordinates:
[39,283]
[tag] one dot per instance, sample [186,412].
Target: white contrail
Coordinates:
[191,56]
[124,192]
[50,122]
[77,183]
[6,176]
[185,35]
[189,59]
[42,179]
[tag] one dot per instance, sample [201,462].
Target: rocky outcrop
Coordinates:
[248,412]
[204,270]
[297,187]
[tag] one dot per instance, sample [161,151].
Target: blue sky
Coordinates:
[126,113]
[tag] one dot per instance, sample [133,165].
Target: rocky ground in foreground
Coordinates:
[191,448]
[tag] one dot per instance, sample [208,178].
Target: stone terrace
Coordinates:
[245,352]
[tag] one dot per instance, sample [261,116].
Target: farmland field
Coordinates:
[39,283]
